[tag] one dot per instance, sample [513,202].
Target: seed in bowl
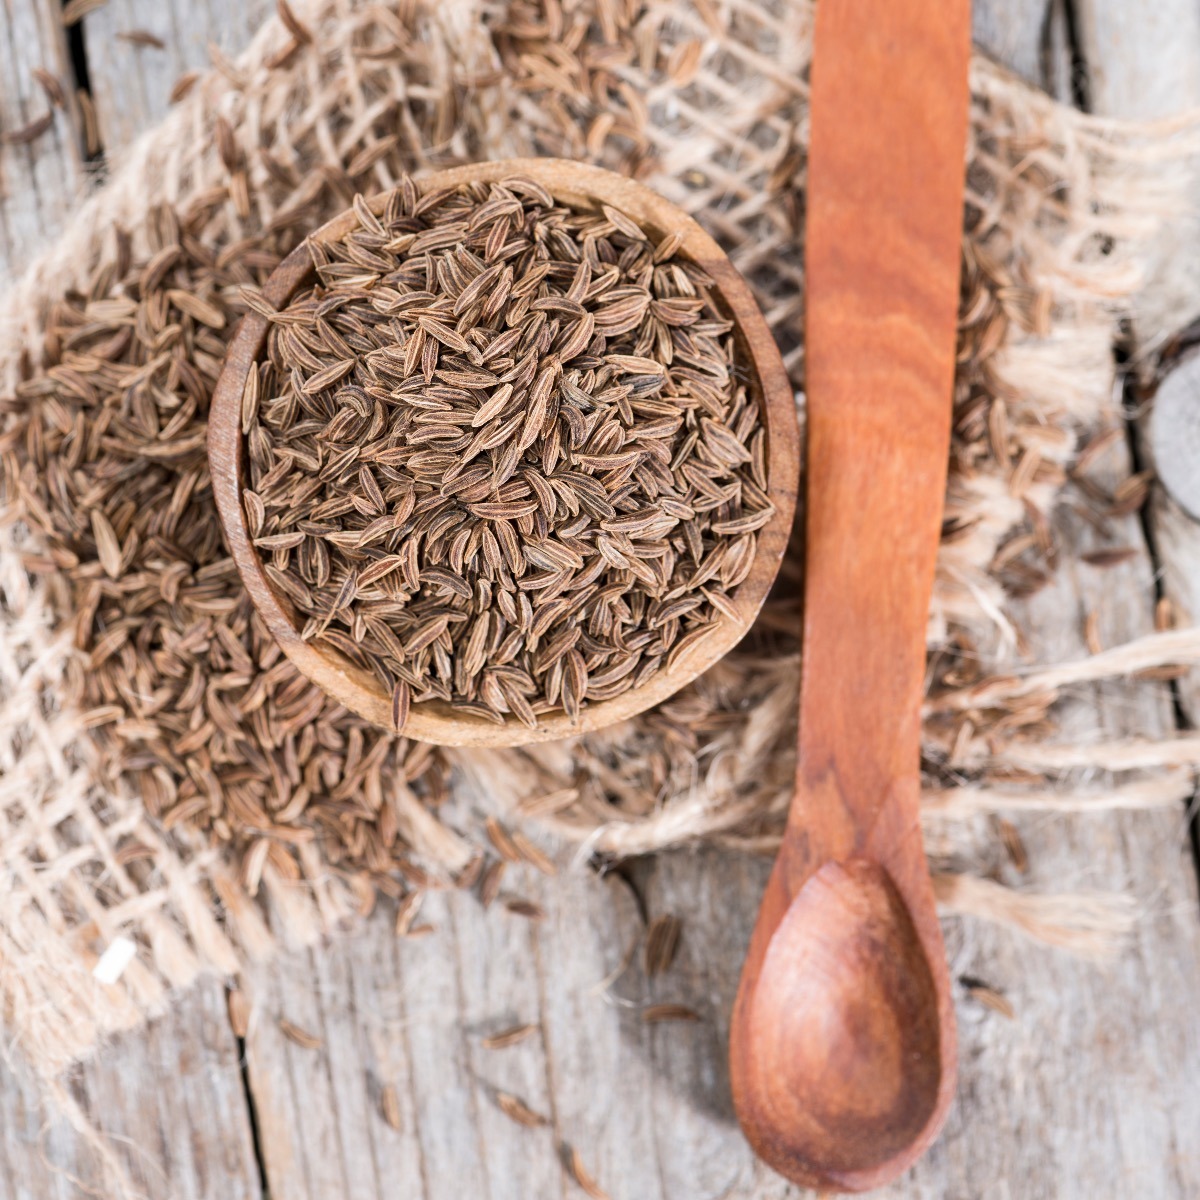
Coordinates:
[501,452]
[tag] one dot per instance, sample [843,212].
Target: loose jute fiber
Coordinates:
[160,764]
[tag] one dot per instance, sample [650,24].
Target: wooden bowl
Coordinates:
[585,188]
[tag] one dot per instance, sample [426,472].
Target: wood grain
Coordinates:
[1016,33]
[169,1101]
[412,1013]
[1089,1049]
[848,927]
[1143,62]
[39,180]
[1141,59]
[131,84]
[584,187]
[1148,66]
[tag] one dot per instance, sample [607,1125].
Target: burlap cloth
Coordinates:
[707,102]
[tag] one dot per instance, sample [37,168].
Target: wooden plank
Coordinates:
[38,1155]
[1015,33]
[131,84]
[1141,58]
[169,1102]
[1091,1048]
[1170,436]
[1096,1085]
[647,1108]
[1146,64]
[38,180]
[412,1013]
[1143,62]
[1177,540]
[1057,61]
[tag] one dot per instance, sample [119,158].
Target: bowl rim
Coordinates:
[581,186]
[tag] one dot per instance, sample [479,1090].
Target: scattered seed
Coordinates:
[990,998]
[662,942]
[525,908]
[684,61]
[389,1106]
[91,126]
[1164,615]
[142,37]
[1130,494]
[550,802]
[239,1012]
[51,86]
[291,22]
[406,913]
[517,1110]
[1098,447]
[75,10]
[502,840]
[183,85]
[582,1176]
[184,696]
[300,1036]
[470,875]
[1013,843]
[132,851]
[533,853]
[27,133]
[1164,673]
[283,56]
[655,1013]
[489,888]
[508,1037]
[1111,557]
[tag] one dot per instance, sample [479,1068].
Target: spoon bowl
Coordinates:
[845,1006]
[584,188]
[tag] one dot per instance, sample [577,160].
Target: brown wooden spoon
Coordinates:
[843,1048]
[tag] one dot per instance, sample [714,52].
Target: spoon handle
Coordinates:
[883,247]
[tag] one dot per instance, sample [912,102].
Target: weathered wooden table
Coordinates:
[1090,1090]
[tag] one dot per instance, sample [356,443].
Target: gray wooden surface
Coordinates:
[39,181]
[1089,1090]
[132,82]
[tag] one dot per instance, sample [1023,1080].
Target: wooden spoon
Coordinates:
[843,1047]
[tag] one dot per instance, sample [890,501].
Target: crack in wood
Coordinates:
[77,51]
